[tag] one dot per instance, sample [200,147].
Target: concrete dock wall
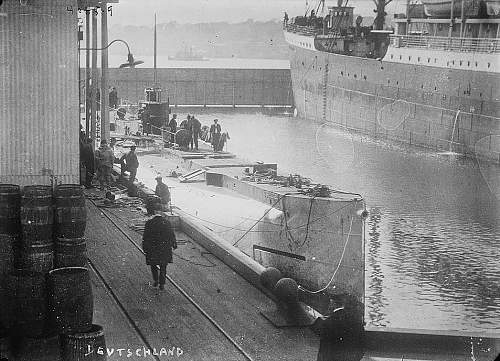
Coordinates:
[207,86]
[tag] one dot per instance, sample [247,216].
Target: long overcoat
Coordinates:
[158,241]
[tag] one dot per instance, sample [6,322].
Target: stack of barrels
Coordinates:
[46,297]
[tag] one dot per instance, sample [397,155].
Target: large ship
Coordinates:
[431,80]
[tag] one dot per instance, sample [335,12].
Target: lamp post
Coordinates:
[131,62]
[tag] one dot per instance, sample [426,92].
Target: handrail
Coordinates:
[477,45]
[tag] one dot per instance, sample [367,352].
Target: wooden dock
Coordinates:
[210,313]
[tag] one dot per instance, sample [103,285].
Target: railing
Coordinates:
[476,45]
[303,30]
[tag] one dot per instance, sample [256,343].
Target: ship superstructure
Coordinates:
[431,80]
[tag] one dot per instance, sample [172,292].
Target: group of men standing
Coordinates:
[101,162]
[193,126]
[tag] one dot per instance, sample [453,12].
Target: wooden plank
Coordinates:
[234,303]
[118,332]
[166,319]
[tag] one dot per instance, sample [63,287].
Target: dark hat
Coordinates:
[104,141]
[158,177]
[133,147]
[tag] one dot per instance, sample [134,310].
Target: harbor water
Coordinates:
[432,237]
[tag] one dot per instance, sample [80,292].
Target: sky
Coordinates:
[141,12]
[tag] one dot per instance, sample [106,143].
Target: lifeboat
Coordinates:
[471,8]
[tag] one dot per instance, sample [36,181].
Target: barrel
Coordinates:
[10,205]
[5,347]
[70,212]
[35,257]
[71,252]
[37,215]
[70,299]
[27,303]
[44,348]
[89,345]
[8,243]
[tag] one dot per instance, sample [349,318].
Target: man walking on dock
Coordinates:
[158,242]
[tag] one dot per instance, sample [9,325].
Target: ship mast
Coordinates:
[154,61]
[380,10]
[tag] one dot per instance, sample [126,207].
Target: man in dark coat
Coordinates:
[158,241]
[195,132]
[215,131]
[129,162]
[88,160]
[173,127]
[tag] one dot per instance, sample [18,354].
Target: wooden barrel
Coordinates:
[8,243]
[35,257]
[71,252]
[44,348]
[37,216]
[81,346]
[27,303]
[70,211]
[5,347]
[10,207]
[70,299]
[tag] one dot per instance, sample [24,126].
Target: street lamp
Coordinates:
[131,62]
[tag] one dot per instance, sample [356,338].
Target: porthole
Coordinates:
[409,58]
[364,77]
[355,76]
[400,57]
[418,59]
[392,56]
[388,81]
[476,63]
[489,64]
[460,62]
[428,60]
[342,73]
[468,63]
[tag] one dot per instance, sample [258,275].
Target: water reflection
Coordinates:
[432,255]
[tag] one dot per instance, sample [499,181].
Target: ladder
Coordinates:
[325,91]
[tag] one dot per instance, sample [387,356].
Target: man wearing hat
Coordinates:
[163,192]
[130,163]
[215,131]
[104,159]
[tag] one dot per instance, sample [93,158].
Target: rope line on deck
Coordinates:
[184,293]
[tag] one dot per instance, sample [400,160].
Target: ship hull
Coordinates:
[434,107]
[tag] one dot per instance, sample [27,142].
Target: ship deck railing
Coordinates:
[303,30]
[476,45]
